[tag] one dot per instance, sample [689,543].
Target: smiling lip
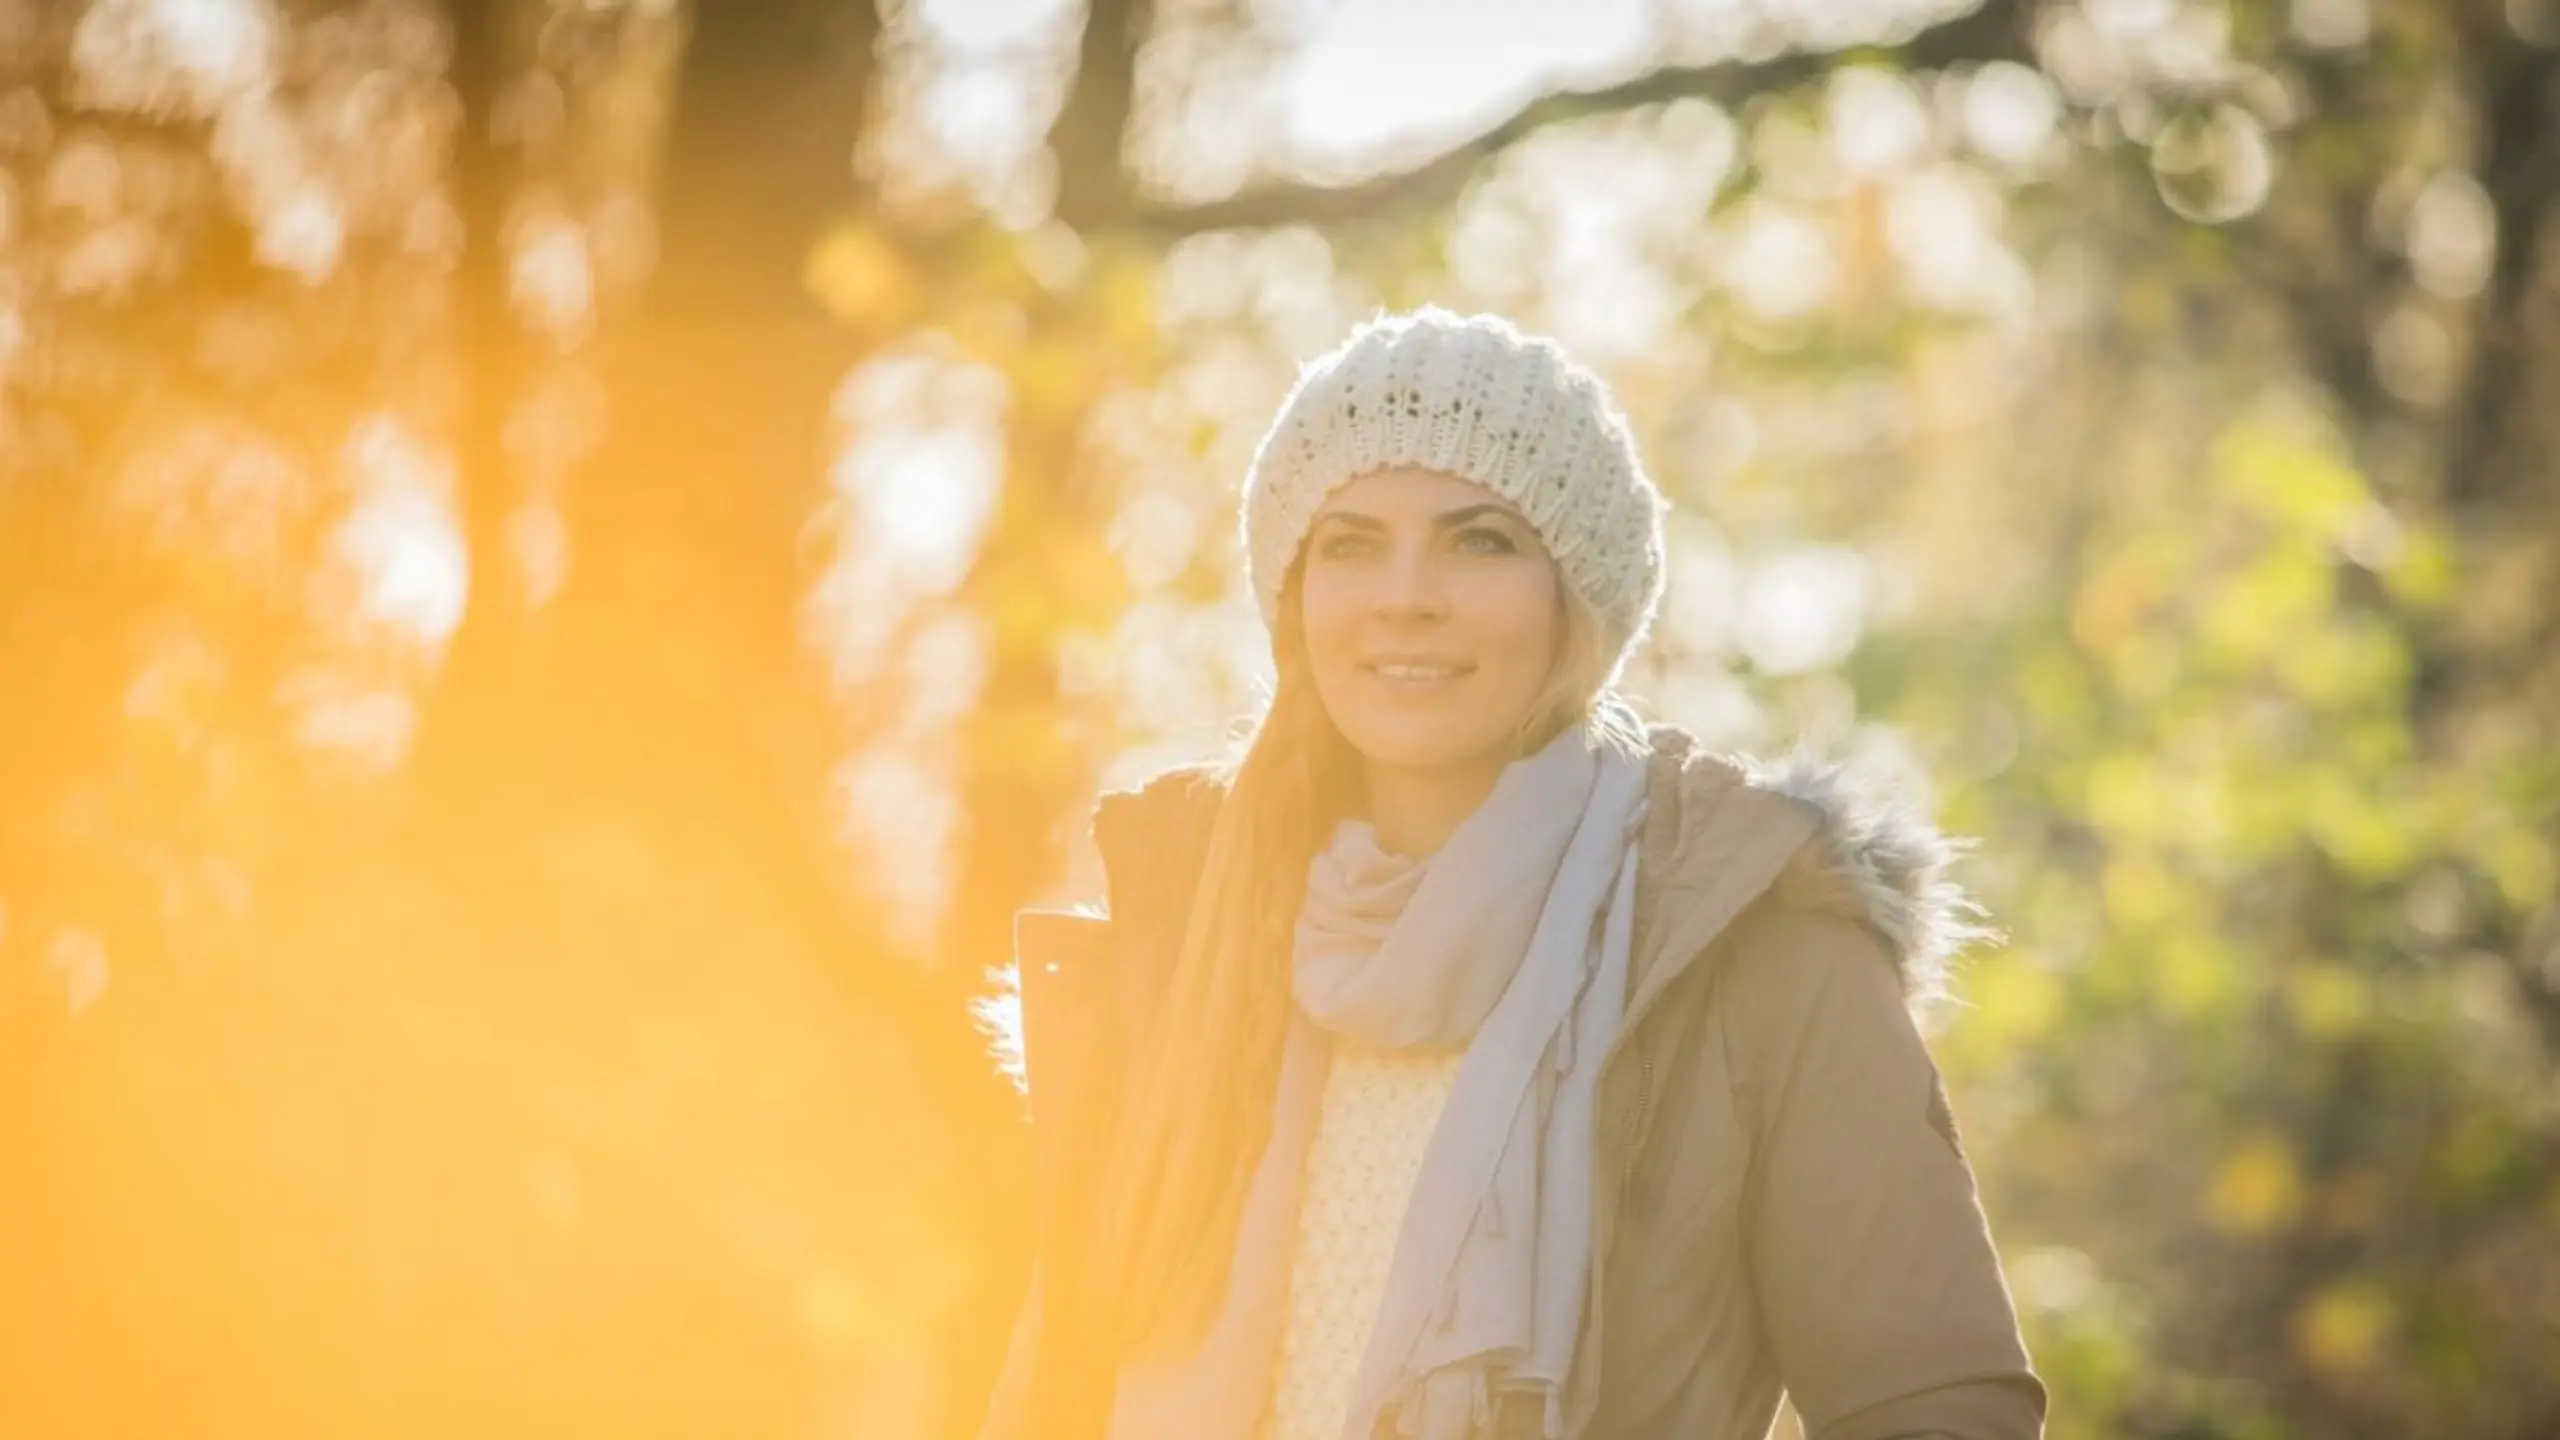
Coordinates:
[1410,670]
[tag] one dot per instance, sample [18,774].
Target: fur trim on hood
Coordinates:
[1884,862]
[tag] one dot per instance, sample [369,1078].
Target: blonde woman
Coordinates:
[1468,1059]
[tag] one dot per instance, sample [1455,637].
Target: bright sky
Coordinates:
[1379,70]
[1363,73]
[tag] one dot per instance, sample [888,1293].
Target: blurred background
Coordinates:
[566,564]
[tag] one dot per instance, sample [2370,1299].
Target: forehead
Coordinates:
[1407,490]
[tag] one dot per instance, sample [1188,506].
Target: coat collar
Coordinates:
[1812,833]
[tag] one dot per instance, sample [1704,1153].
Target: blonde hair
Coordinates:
[1196,1118]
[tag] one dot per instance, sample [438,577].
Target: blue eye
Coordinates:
[1484,540]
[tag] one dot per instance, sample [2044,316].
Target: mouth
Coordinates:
[1417,674]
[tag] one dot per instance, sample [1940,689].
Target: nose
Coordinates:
[1411,588]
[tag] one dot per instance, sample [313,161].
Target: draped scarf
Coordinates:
[1510,943]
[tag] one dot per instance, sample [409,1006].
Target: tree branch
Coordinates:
[1992,30]
[2519,168]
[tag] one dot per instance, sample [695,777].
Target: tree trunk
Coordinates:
[620,800]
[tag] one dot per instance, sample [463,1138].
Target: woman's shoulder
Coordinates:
[1155,833]
[1173,794]
[1851,856]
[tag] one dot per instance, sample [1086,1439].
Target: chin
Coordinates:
[1427,749]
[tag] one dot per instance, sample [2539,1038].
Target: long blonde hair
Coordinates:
[1194,1123]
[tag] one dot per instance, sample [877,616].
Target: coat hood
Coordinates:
[1879,858]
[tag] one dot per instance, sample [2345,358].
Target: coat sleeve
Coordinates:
[1008,1414]
[1880,1295]
[1064,961]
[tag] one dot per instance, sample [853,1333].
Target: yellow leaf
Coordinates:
[2359,828]
[1054,378]
[2329,1002]
[2195,976]
[858,276]
[987,328]
[2121,792]
[2140,894]
[2290,471]
[2014,1003]
[1122,297]
[2342,1329]
[2256,1188]
[2520,862]
[2052,686]
[2268,606]
[2424,574]
[1088,579]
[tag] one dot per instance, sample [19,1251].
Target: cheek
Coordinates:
[1327,616]
[1513,612]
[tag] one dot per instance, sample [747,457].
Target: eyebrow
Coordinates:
[1448,520]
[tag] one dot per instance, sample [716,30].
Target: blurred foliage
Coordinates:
[565,567]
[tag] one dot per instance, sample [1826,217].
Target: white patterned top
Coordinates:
[1376,1119]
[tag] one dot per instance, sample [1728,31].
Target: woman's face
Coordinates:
[1432,619]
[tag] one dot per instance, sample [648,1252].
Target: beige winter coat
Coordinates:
[1781,1201]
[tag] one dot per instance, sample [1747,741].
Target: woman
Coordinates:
[1469,1060]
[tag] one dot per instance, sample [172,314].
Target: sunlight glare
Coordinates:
[916,486]
[1778,264]
[537,539]
[1803,611]
[550,280]
[366,727]
[2213,167]
[903,818]
[927,495]
[1711,704]
[1608,199]
[1944,226]
[77,961]
[993,27]
[1876,120]
[1389,71]
[401,537]
[982,115]
[181,58]
[303,235]
[2453,236]
[2332,24]
[1698,604]
[2010,112]
[1156,536]
[217,487]
[944,669]
[2129,19]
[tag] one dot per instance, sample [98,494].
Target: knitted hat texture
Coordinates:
[1474,397]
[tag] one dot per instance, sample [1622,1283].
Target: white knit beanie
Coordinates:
[1469,396]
